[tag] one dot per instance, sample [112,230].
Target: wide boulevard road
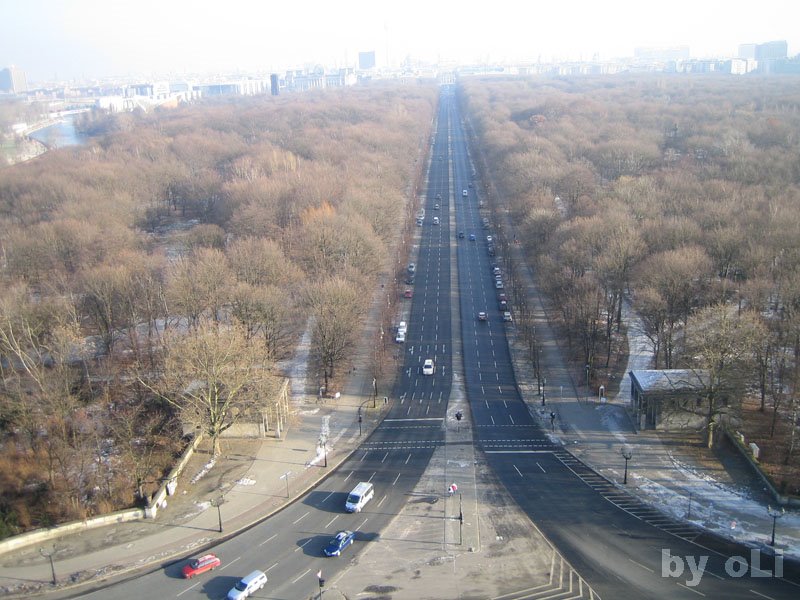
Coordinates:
[616,545]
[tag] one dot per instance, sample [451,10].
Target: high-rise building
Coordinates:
[366,60]
[765,51]
[13,80]
[772,50]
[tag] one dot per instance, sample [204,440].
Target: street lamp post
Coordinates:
[588,366]
[218,502]
[323,444]
[775,514]
[627,454]
[52,563]
[286,477]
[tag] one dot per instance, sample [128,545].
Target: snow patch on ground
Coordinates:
[204,471]
[246,481]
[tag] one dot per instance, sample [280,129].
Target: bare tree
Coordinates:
[335,306]
[213,375]
[722,346]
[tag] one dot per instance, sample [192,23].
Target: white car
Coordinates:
[401,336]
[247,585]
[435,220]
[465,193]
[427,367]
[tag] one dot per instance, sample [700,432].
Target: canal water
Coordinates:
[59,135]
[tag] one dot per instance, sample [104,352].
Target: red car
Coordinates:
[408,293]
[196,566]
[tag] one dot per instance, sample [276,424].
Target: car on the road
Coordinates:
[341,541]
[420,222]
[401,336]
[435,220]
[201,564]
[438,196]
[498,284]
[507,317]
[427,367]
[471,237]
[408,293]
[488,239]
[461,235]
[502,305]
[482,316]
[436,206]
[496,270]
[410,279]
[247,585]
[465,193]
[470,184]
[412,267]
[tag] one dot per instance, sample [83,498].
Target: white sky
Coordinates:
[68,39]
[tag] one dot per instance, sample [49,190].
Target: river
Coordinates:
[59,135]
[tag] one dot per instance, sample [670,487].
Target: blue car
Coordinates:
[342,540]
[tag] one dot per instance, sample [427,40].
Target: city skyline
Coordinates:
[90,39]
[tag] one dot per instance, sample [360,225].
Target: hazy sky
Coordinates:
[68,39]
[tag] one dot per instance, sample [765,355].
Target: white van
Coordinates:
[358,498]
[402,326]
[247,585]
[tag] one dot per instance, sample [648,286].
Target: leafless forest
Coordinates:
[138,265]
[164,269]
[681,192]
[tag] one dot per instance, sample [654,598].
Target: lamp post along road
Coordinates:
[52,563]
[775,514]
[627,454]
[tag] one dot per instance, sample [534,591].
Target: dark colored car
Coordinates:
[461,235]
[196,566]
[342,540]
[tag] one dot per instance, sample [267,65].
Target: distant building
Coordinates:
[766,55]
[366,60]
[13,80]
[772,50]
[274,84]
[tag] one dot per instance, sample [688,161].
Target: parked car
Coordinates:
[471,237]
[408,293]
[438,196]
[498,284]
[341,541]
[401,336]
[197,566]
[461,235]
[488,239]
[496,270]
[502,296]
[410,279]
[436,206]
[507,317]
[482,316]
[502,305]
[427,367]
[412,267]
